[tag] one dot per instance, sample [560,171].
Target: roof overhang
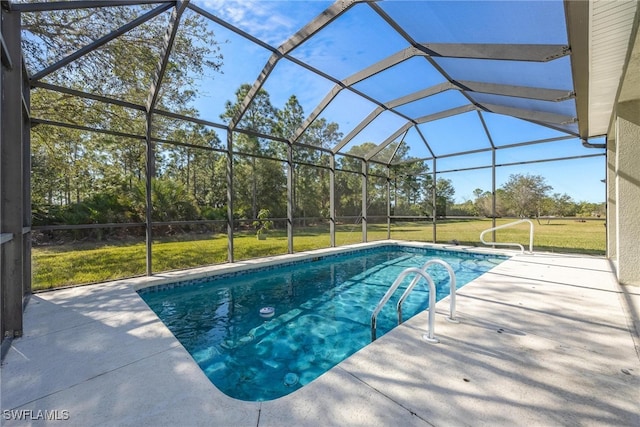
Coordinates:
[600,33]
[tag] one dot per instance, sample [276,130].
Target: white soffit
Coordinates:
[631,84]
[610,31]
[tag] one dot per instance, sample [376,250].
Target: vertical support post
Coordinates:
[434,199]
[388,202]
[290,200]
[493,174]
[12,190]
[332,200]
[26,181]
[365,181]
[152,100]
[2,278]
[230,196]
[493,193]
[149,176]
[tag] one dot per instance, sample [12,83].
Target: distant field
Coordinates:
[81,263]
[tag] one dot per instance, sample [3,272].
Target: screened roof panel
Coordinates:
[130,84]
[415,146]
[347,110]
[487,51]
[355,40]
[433,104]
[309,88]
[554,74]
[507,130]
[409,145]
[459,133]
[407,77]
[386,155]
[205,72]
[562,112]
[270,21]
[566,107]
[554,149]
[242,61]
[51,36]
[378,130]
[480,21]
[569,128]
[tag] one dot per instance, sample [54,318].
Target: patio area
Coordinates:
[543,339]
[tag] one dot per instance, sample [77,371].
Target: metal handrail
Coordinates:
[452,290]
[511,244]
[432,300]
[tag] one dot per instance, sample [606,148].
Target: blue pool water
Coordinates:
[322,315]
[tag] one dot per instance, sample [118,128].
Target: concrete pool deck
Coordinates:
[544,340]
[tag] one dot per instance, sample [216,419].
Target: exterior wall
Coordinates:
[627,190]
[623,171]
[612,224]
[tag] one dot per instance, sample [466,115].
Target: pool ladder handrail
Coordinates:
[452,290]
[420,273]
[511,244]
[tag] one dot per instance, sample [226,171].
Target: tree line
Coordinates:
[526,195]
[84,177]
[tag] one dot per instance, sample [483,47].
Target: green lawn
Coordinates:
[72,264]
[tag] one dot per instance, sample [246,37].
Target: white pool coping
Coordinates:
[544,339]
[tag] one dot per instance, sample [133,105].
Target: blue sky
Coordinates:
[361,38]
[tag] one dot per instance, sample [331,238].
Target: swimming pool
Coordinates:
[321,314]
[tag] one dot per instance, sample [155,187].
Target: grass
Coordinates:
[72,264]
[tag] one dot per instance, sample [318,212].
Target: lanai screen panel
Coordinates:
[446,43]
[455,134]
[563,148]
[480,21]
[377,131]
[347,110]
[506,130]
[353,41]
[404,78]
[434,104]
[289,79]
[499,67]
[62,58]
[272,22]
[410,145]
[409,84]
[232,61]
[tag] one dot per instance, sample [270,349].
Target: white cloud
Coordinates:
[266,20]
